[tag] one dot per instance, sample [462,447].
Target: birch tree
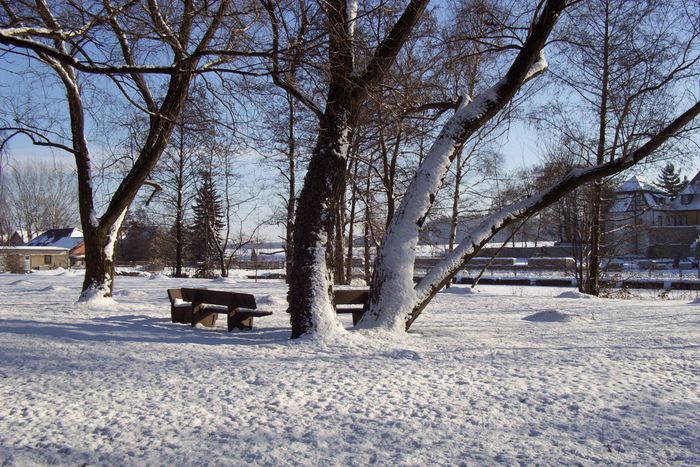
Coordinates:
[395,302]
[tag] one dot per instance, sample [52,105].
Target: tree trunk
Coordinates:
[99,266]
[392,294]
[441,274]
[311,287]
[593,270]
[454,218]
[291,194]
[339,247]
[310,284]
[366,243]
[180,208]
[351,217]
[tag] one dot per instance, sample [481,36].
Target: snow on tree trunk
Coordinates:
[310,286]
[392,293]
[469,246]
[99,268]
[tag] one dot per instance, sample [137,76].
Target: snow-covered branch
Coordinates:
[540,66]
[468,247]
[391,293]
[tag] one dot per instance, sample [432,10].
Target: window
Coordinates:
[686,199]
[660,220]
[47,259]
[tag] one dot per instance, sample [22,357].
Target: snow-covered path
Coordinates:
[608,381]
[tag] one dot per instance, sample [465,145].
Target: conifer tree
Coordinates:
[670,181]
[205,231]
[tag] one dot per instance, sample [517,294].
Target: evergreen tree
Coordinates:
[670,181]
[205,231]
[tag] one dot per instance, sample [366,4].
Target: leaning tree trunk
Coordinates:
[392,295]
[441,274]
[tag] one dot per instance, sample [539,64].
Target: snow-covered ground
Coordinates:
[581,381]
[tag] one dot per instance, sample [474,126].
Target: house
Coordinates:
[643,221]
[53,249]
[69,238]
[19,259]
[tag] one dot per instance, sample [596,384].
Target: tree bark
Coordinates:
[310,285]
[292,192]
[593,270]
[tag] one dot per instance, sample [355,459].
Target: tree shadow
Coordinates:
[144,329]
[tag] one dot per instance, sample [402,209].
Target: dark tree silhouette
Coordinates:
[205,232]
[670,181]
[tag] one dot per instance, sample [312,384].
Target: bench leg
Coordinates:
[356,316]
[237,321]
[200,315]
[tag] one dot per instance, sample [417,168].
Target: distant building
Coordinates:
[645,222]
[53,249]
[19,259]
[16,239]
[71,239]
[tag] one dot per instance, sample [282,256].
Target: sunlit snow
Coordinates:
[473,382]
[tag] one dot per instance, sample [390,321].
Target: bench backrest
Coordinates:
[219,297]
[351,296]
[174,294]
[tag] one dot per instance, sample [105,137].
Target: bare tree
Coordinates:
[310,303]
[132,44]
[623,61]
[394,300]
[191,143]
[41,196]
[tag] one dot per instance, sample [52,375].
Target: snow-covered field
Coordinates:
[581,381]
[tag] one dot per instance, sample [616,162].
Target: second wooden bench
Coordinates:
[193,306]
[353,301]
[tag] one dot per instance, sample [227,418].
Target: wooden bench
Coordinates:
[202,306]
[353,301]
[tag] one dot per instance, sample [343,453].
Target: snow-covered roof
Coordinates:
[693,186]
[623,202]
[689,198]
[638,183]
[64,238]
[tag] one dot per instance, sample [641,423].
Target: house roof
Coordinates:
[689,198]
[64,238]
[623,202]
[693,186]
[638,183]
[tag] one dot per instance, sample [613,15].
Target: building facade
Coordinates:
[645,222]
